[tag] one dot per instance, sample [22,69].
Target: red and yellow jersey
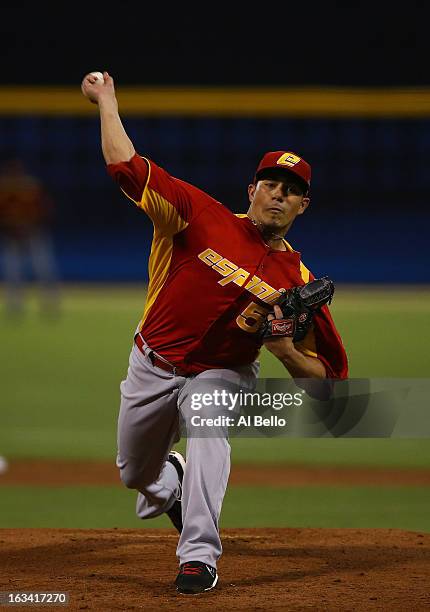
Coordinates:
[212,279]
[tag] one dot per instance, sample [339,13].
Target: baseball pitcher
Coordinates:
[220,286]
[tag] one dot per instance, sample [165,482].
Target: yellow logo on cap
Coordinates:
[288,159]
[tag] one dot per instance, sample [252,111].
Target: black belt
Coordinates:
[156,361]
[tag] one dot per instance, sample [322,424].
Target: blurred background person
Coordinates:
[25,214]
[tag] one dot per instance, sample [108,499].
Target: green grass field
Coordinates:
[60,395]
[105,507]
[60,378]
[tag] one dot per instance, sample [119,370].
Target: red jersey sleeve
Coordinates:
[170,203]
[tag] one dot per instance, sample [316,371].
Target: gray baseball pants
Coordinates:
[153,403]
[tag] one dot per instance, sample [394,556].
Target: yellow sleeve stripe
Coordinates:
[147,181]
[308,345]
[304,272]
[163,214]
[167,222]
[158,268]
[129,197]
[306,351]
[144,189]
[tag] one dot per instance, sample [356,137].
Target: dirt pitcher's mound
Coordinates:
[60,473]
[261,569]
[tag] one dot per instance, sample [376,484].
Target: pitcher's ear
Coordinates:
[251,191]
[304,204]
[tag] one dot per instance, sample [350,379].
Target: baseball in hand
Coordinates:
[98,76]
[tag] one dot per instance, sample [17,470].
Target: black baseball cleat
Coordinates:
[175,512]
[196,577]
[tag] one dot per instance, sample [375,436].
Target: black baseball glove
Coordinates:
[298,306]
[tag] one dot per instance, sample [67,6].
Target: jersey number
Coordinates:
[251,318]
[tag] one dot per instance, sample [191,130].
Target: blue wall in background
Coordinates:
[369,214]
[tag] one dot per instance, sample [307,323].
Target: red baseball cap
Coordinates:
[286,160]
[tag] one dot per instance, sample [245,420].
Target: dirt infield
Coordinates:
[261,569]
[61,473]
